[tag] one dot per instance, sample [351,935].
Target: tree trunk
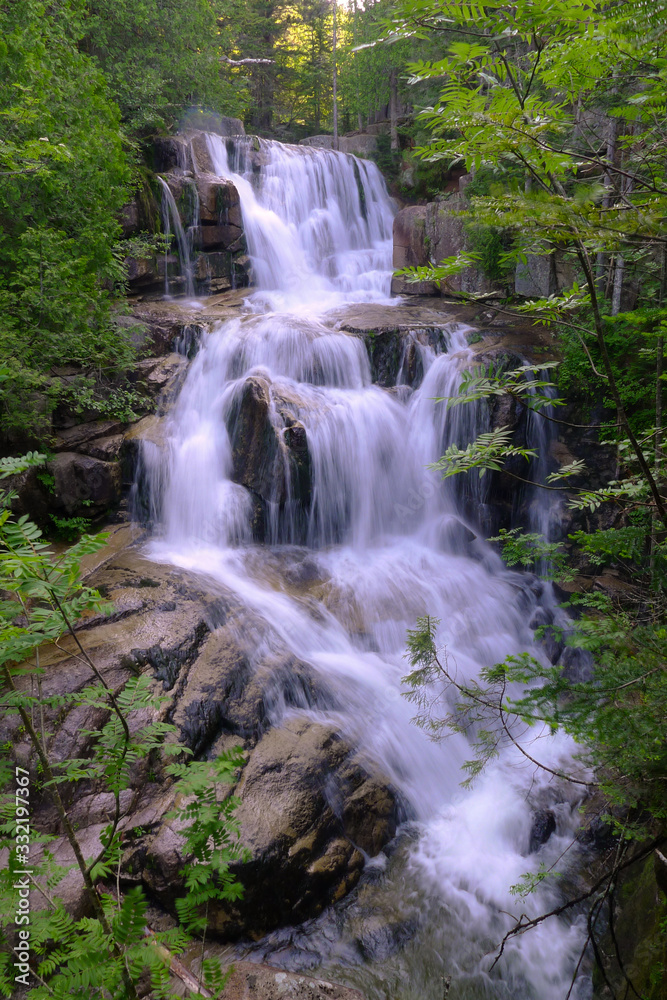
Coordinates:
[619,269]
[601,260]
[393,108]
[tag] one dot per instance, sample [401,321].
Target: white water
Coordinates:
[318,223]
[385,542]
[171,217]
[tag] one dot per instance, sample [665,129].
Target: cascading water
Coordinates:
[318,223]
[171,217]
[385,541]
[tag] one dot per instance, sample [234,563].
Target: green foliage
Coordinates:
[632,341]
[485,381]
[64,180]
[489,245]
[211,836]
[107,953]
[531,881]
[160,58]
[69,528]
[488,452]
[532,552]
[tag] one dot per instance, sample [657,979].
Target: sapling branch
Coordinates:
[525,923]
[496,707]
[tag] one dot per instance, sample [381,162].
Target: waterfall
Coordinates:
[343,488]
[171,217]
[318,223]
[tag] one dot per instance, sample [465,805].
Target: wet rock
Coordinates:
[200,154]
[544,824]
[577,665]
[311,808]
[551,639]
[220,237]
[380,940]
[171,152]
[160,379]
[214,270]
[307,808]
[257,457]
[296,442]
[505,411]
[412,367]
[250,981]
[84,485]
[385,352]
[269,459]
[243,274]
[219,201]
[150,431]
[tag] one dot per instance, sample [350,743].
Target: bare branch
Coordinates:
[246,62]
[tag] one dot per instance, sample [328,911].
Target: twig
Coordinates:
[524,923]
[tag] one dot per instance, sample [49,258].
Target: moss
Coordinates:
[640,928]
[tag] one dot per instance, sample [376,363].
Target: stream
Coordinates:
[392,541]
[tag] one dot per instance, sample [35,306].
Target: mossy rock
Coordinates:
[640,929]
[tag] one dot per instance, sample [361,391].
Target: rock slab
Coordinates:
[249,981]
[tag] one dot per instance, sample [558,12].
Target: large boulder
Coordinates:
[360,144]
[429,234]
[160,379]
[393,350]
[171,152]
[219,200]
[221,237]
[256,453]
[410,250]
[536,276]
[444,233]
[317,141]
[211,121]
[309,811]
[84,485]
[270,457]
[214,271]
